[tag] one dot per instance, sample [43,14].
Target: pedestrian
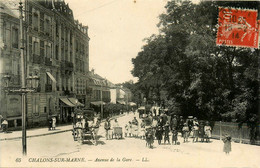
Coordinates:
[96,126]
[207,130]
[130,129]
[185,131]
[149,136]
[135,127]
[202,131]
[195,130]
[190,125]
[174,123]
[5,125]
[159,130]
[53,123]
[142,130]
[166,132]
[180,125]
[50,123]
[174,136]
[107,127]
[115,125]
[227,144]
[126,129]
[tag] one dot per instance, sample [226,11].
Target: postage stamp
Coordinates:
[237,27]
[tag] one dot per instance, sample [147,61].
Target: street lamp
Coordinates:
[101,97]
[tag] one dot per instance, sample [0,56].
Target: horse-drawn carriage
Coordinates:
[82,130]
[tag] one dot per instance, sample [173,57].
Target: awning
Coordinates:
[52,78]
[67,102]
[97,103]
[74,100]
[132,104]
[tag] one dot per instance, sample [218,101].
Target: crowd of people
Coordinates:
[165,126]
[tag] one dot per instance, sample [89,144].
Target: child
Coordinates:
[166,132]
[227,144]
[142,130]
[130,128]
[185,131]
[207,130]
[126,129]
[174,136]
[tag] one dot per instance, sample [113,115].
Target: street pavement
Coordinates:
[60,150]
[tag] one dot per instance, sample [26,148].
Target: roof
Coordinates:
[10,7]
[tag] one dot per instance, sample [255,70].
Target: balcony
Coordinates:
[48,62]
[66,67]
[48,87]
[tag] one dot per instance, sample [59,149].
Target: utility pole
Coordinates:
[23,88]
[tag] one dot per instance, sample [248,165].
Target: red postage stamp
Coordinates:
[237,27]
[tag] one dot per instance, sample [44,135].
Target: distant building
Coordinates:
[98,85]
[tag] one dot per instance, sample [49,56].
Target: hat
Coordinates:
[195,118]
[185,124]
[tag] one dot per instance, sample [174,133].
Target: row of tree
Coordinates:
[184,67]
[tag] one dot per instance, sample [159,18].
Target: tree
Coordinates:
[202,79]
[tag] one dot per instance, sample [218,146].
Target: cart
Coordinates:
[81,132]
[117,132]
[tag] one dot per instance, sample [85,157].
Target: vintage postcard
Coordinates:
[129,83]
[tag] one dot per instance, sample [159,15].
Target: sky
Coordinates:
[116,30]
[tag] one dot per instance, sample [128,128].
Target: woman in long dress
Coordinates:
[53,123]
[227,144]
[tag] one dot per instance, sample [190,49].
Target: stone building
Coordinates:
[56,49]
[98,84]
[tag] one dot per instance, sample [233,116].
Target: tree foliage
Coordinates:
[199,78]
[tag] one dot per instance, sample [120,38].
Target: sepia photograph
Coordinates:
[129,83]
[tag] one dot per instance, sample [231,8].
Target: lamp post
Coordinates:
[101,97]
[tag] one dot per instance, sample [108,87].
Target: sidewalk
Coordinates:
[34,132]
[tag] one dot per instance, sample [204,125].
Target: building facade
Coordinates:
[56,50]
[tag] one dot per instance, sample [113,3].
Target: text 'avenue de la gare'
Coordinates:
[144,159]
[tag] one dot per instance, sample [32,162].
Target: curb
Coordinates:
[51,133]
[31,136]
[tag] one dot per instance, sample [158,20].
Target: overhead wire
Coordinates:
[109,3]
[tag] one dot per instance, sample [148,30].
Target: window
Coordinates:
[35,21]
[42,22]
[47,26]
[42,49]
[36,48]
[48,51]
[30,48]
[15,37]
[57,52]
[57,28]
[36,106]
